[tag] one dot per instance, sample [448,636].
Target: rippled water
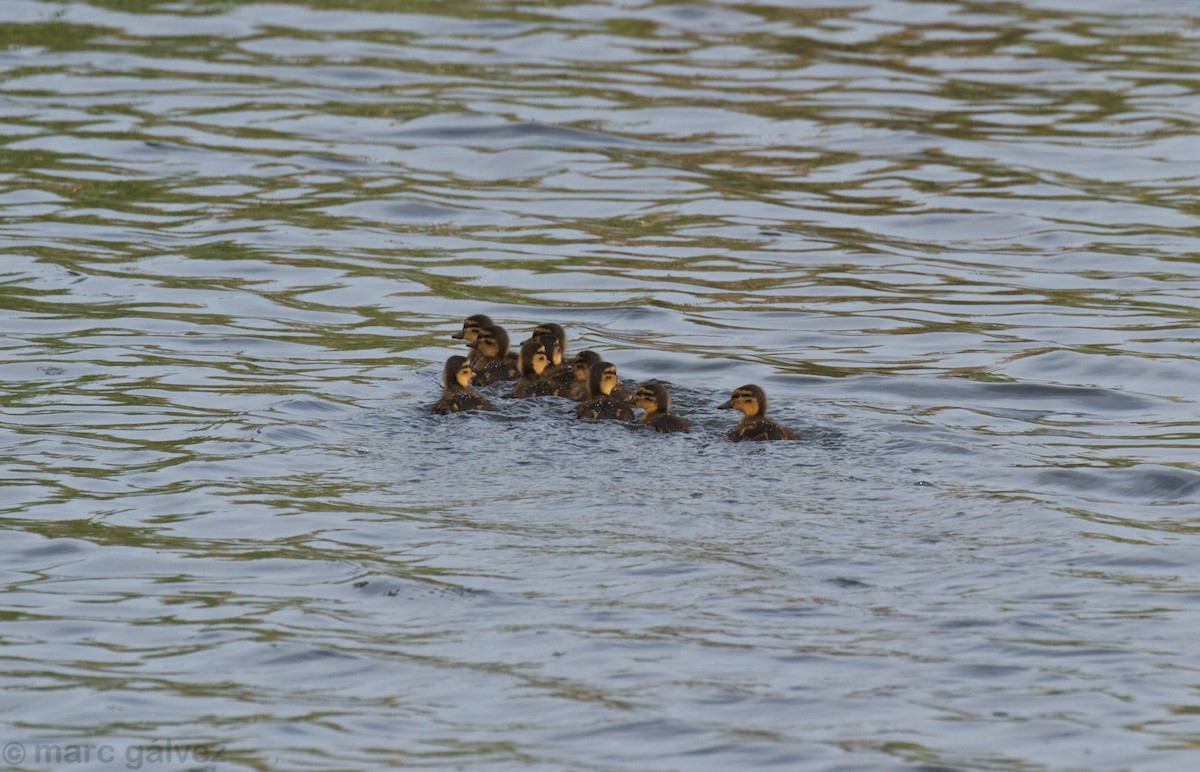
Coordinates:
[956,242]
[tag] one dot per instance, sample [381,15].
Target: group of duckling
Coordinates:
[540,369]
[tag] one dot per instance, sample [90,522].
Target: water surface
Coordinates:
[955,241]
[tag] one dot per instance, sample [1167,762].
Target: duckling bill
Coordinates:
[654,399]
[755,426]
[458,394]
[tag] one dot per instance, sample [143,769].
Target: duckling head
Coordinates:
[551,329]
[653,398]
[554,349]
[471,327]
[491,341]
[749,399]
[582,364]
[533,358]
[603,379]
[458,372]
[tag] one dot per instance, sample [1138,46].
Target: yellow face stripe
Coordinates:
[745,401]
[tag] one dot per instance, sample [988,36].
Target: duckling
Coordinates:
[550,328]
[458,394]
[654,399]
[581,369]
[471,326]
[493,361]
[560,374]
[533,363]
[755,425]
[602,404]
[580,387]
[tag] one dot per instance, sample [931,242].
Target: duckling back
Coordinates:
[533,388]
[665,423]
[500,369]
[760,430]
[464,400]
[604,408]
